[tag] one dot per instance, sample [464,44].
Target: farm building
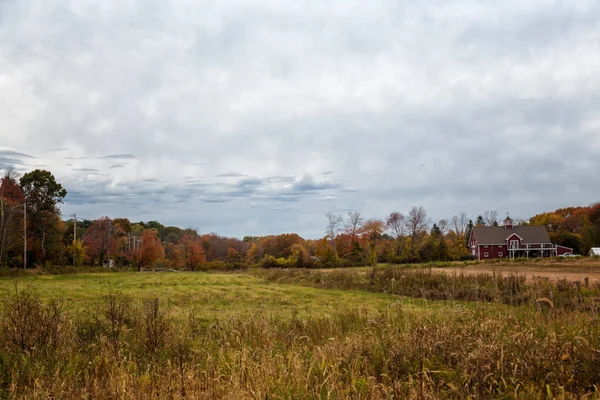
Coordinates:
[594,252]
[508,241]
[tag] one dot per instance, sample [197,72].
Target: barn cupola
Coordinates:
[508,223]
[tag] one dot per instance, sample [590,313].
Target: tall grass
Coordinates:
[426,284]
[134,349]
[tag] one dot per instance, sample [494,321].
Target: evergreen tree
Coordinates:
[468,233]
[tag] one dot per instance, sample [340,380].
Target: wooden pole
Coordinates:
[25,235]
[74,237]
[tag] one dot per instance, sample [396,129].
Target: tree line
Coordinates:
[32,233]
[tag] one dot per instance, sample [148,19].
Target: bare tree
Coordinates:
[459,223]
[443,225]
[459,226]
[334,223]
[354,224]
[490,217]
[416,225]
[396,224]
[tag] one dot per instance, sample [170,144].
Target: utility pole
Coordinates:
[25,235]
[109,228]
[74,238]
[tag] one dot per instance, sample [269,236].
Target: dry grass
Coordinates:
[129,345]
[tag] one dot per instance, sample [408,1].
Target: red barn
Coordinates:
[508,241]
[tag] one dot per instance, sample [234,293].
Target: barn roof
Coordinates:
[498,234]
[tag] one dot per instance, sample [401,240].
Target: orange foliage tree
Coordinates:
[149,251]
[194,254]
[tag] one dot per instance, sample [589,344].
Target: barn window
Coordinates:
[500,254]
[486,254]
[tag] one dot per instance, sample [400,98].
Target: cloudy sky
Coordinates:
[259,116]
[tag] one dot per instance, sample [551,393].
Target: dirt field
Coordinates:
[577,269]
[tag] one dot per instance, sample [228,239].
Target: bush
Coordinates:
[269,261]
[28,324]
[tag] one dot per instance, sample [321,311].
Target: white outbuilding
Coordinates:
[594,252]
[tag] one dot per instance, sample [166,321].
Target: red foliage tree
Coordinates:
[194,254]
[149,251]
[11,220]
[102,240]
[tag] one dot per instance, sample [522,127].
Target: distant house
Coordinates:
[508,241]
[594,252]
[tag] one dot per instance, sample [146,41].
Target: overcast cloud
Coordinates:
[258,117]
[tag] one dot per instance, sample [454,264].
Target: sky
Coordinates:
[258,117]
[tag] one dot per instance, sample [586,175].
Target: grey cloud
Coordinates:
[13,153]
[277,112]
[8,161]
[230,175]
[86,170]
[120,156]
[310,183]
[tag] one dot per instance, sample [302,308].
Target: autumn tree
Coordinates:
[77,251]
[324,252]
[123,223]
[458,223]
[284,242]
[194,255]
[12,199]
[254,254]
[150,250]
[174,254]
[102,240]
[43,194]
[299,256]
[373,229]
[416,225]
[233,255]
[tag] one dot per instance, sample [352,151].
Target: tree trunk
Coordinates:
[43,248]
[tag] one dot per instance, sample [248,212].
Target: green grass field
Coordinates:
[210,295]
[292,334]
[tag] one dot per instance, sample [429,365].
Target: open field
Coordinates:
[390,332]
[570,269]
[209,295]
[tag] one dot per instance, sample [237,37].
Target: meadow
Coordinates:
[374,333]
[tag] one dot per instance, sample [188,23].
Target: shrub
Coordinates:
[28,324]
